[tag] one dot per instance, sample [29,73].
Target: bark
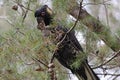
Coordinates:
[96,26]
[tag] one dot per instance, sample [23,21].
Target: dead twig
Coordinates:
[108,74]
[24,9]
[22,6]
[35,59]
[26,12]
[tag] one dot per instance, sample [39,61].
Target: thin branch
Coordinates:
[73,25]
[26,12]
[107,60]
[106,13]
[7,20]
[115,77]
[35,59]
[77,18]
[30,63]
[21,5]
[101,3]
[108,74]
[18,31]
[27,8]
[53,56]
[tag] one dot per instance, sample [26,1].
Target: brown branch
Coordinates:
[108,74]
[107,60]
[27,8]
[22,6]
[24,13]
[35,59]
[77,18]
[73,25]
[115,77]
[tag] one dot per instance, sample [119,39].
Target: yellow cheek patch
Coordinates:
[49,11]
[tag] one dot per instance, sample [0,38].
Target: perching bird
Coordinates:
[70,52]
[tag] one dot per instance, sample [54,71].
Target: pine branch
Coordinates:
[107,60]
[102,31]
[22,6]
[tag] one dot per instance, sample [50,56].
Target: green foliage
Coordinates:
[118,33]
[60,7]
[22,42]
[16,51]
[79,59]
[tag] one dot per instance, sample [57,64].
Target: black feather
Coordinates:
[69,49]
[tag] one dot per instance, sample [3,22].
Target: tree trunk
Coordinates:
[96,26]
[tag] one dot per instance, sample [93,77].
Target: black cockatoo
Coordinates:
[67,54]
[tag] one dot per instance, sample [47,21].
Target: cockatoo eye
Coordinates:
[42,13]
